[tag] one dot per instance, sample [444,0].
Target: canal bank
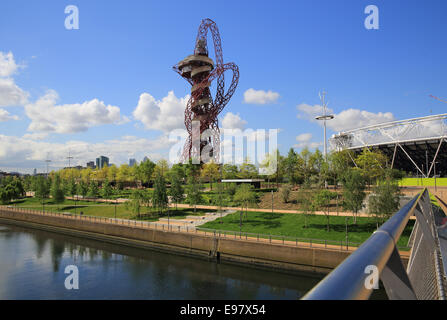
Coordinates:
[260,254]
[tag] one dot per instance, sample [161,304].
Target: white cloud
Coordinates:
[354,118]
[304,140]
[10,93]
[233,121]
[252,96]
[304,137]
[165,114]
[6,116]
[345,120]
[8,65]
[26,152]
[35,136]
[46,116]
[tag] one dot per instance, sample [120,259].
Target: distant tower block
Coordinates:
[200,71]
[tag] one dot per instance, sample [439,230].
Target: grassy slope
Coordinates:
[292,225]
[100,209]
[425,182]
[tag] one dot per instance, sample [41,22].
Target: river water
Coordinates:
[32,265]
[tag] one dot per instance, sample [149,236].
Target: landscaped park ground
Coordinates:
[101,209]
[266,224]
[274,224]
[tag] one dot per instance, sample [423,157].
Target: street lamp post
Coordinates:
[324,118]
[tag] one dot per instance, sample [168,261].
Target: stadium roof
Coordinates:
[416,145]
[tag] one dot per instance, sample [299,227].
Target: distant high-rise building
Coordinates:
[101,162]
[132,162]
[34,171]
[145,159]
[91,164]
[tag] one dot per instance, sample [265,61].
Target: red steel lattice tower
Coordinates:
[200,71]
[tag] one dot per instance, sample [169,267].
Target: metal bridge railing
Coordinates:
[352,278]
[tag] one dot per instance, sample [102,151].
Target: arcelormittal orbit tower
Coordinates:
[202,109]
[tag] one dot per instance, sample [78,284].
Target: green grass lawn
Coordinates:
[292,225]
[100,209]
[424,182]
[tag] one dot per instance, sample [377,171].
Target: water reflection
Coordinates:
[32,264]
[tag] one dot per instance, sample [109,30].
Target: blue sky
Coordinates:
[124,49]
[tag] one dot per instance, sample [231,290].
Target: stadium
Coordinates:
[417,146]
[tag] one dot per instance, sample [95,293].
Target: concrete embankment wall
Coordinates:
[253,253]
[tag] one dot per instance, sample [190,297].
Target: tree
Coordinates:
[6,194]
[145,171]
[71,187]
[159,196]
[354,185]
[12,188]
[372,164]
[280,167]
[19,190]
[221,199]
[57,193]
[341,161]
[137,198]
[93,190]
[123,173]
[176,190]
[86,175]
[244,195]
[41,188]
[211,172]
[112,172]
[106,190]
[229,171]
[179,170]
[27,183]
[285,193]
[193,189]
[322,200]
[291,166]
[269,166]
[161,167]
[101,174]
[231,189]
[82,188]
[305,198]
[248,170]
[384,200]
[192,170]
[316,163]
[305,164]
